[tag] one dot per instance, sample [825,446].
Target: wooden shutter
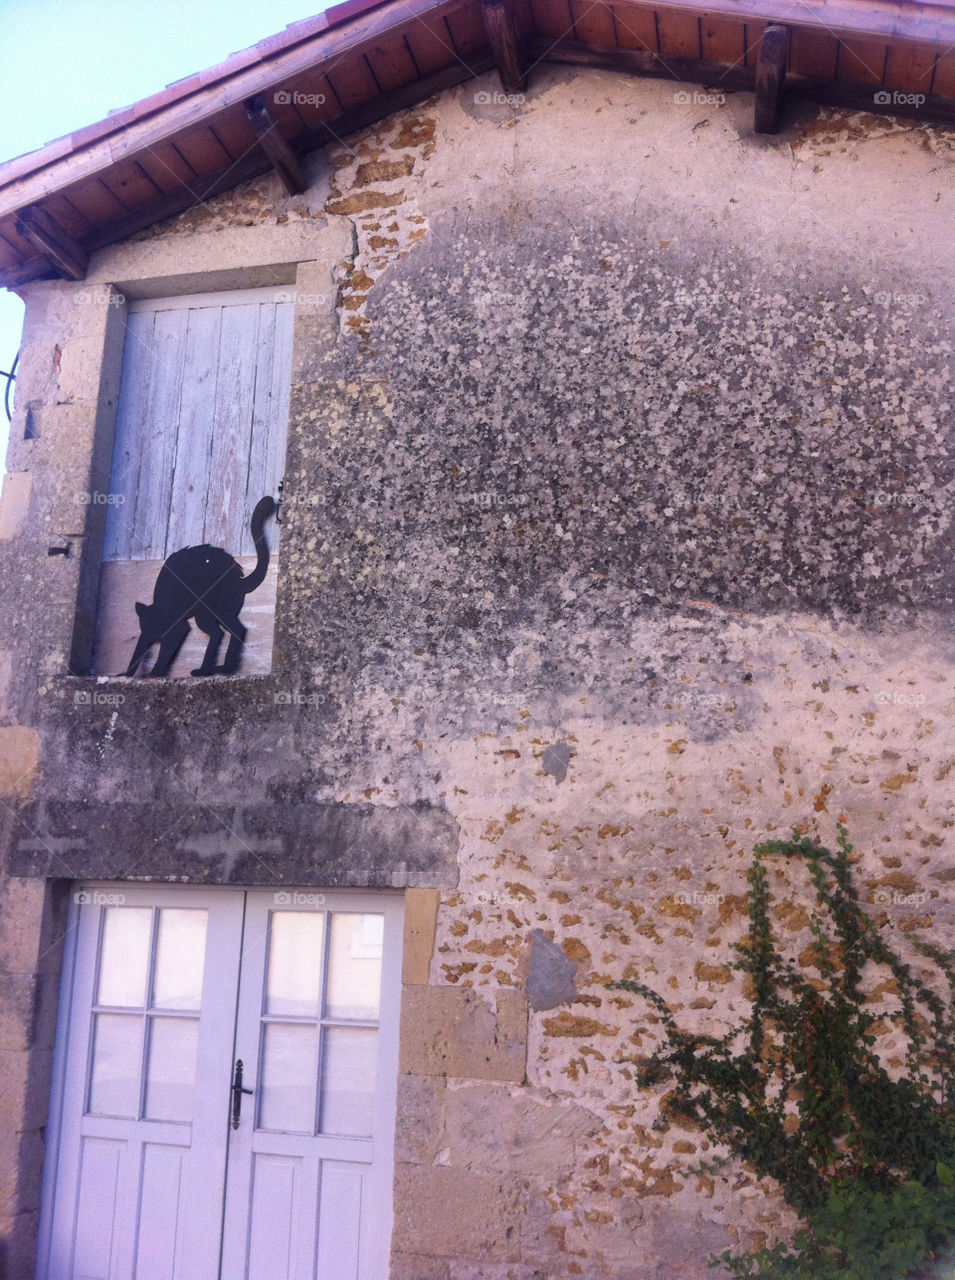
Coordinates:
[201,421]
[200,437]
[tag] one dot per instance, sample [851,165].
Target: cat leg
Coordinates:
[212,650]
[237,634]
[169,646]
[143,645]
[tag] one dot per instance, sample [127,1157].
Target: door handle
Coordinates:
[237,1092]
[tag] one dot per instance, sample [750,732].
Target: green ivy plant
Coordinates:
[863,1151]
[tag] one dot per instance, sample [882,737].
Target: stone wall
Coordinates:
[618,537]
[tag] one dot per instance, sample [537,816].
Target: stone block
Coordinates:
[420,1118]
[82,362]
[22,904]
[30,1156]
[313,346]
[9,1158]
[551,974]
[315,289]
[6,683]
[450,1031]
[24,1087]
[464,1270]
[447,1213]
[496,1129]
[14,503]
[421,913]
[49,307]
[414,1266]
[19,999]
[224,257]
[680,1236]
[19,761]
[22,1243]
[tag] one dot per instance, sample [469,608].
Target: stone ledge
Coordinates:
[328,845]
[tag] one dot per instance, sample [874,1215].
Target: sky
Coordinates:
[67,63]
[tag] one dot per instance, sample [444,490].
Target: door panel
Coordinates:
[100,1164]
[276,1207]
[339,1230]
[160,1204]
[317,1032]
[167,988]
[138,1186]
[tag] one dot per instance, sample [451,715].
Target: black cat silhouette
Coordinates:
[207,584]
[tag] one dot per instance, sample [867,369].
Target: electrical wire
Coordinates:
[11,378]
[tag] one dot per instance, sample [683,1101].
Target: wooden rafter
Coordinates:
[770,75]
[274,144]
[57,248]
[506,43]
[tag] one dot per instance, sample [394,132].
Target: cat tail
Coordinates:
[263,509]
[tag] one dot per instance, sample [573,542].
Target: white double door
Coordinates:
[158,1168]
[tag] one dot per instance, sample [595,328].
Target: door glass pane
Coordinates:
[180,959]
[295,963]
[289,1069]
[354,965]
[348,1080]
[114,1079]
[124,956]
[171,1071]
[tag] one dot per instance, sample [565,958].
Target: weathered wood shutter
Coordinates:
[201,421]
[200,437]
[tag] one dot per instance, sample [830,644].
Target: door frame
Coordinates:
[54,1122]
[385,1106]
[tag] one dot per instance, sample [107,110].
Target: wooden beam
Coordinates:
[32,269]
[60,251]
[273,143]
[714,75]
[641,62]
[770,76]
[506,43]
[906,21]
[865,97]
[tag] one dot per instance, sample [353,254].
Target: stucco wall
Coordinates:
[618,536]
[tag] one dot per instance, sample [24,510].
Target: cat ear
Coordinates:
[141,608]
